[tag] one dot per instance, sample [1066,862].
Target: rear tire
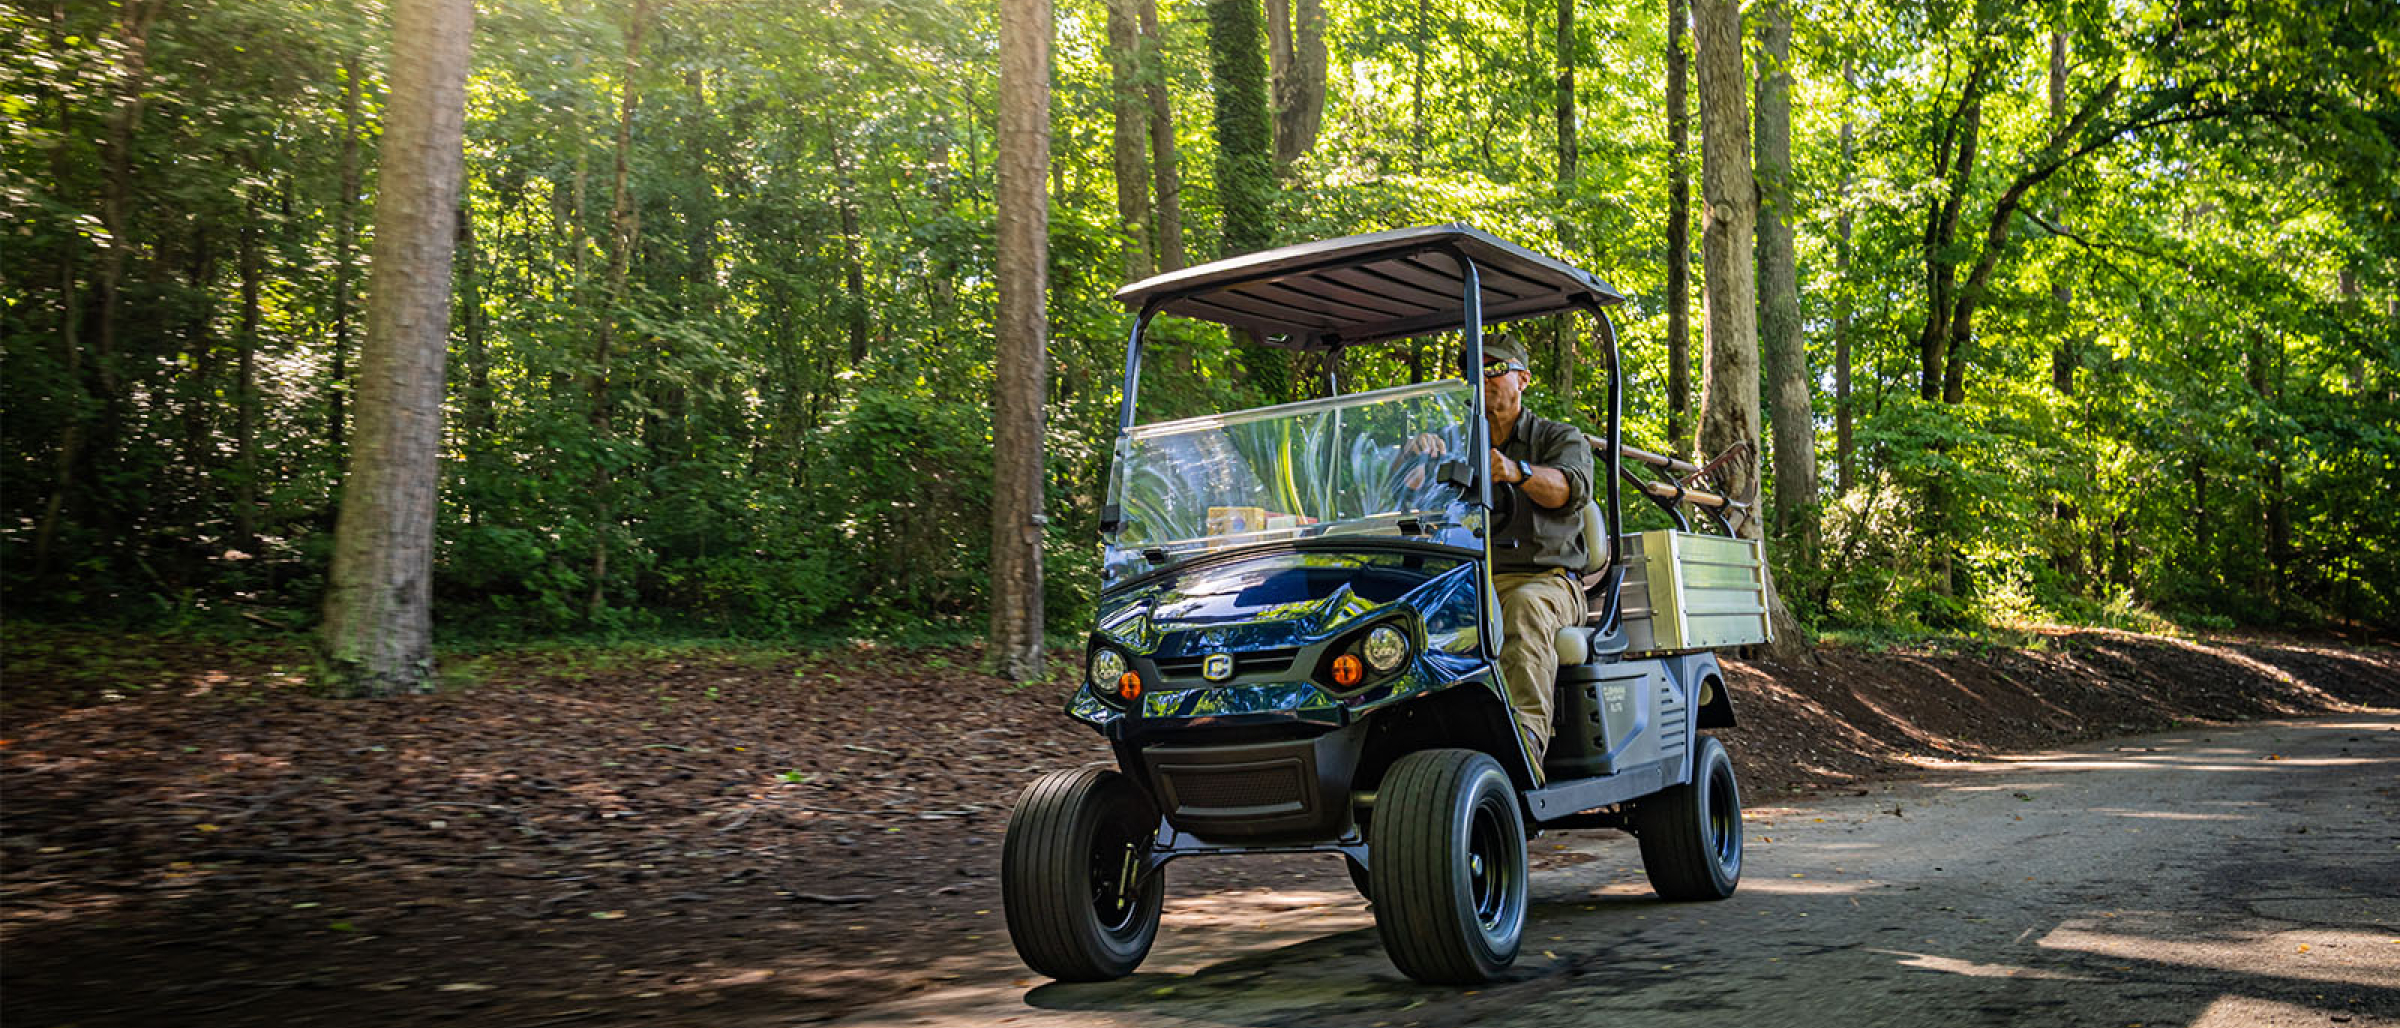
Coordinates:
[1082,901]
[1691,834]
[1447,871]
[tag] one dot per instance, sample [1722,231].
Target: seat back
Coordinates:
[1595,539]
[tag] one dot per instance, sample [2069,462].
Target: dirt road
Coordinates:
[2222,877]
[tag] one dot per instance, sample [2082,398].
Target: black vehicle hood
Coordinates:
[1270,599]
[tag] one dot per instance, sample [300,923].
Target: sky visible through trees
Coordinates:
[2116,286]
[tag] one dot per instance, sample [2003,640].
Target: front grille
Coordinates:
[1255,787]
[1255,662]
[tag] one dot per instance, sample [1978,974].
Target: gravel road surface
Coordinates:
[2218,877]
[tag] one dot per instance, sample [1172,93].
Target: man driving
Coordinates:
[1537,551]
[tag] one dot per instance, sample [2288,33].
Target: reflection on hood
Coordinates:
[1286,596]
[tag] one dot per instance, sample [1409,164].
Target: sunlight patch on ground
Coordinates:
[2253,1012]
[2309,954]
[1972,969]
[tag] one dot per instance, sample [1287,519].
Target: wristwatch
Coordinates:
[1524,472]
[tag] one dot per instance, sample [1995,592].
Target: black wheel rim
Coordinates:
[1724,820]
[1117,871]
[1492,867]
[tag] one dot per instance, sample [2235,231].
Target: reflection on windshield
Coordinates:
[1297,470]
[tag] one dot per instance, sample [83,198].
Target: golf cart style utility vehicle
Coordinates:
[1297,645]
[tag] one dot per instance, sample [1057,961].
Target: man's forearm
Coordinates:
[1548,487]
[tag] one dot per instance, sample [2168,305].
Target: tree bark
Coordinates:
[854,265]
[245,389]
[1786,357]
[1130,115]
[481,419]
[1563,329]
[345,249]
[1954,166]
[1729,415]
[1679,235]
[377,635]
[1296,76]
[2063,359]
[1245,165]
[623,229]
[1164,164]
[1015,647]
[1841,318]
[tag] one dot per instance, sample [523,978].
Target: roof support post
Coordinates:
[1616,441]
[1133,366]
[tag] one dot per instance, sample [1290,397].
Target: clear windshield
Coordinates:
[1338,465]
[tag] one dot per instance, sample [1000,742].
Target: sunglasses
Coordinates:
[1499,366]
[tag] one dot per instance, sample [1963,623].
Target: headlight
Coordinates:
[1386,647]
[1107,666]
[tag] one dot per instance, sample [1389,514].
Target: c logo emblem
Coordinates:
[1217,667]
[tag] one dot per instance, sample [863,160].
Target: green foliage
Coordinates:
[797,443]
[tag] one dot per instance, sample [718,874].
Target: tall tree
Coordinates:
[345,248]
[1679,233]
[1788,397]
[1562,374]
[1130,137]
[1843,292]
[377,636]
[1015,646]
[1296,75]
[1165,166]
[2062,296]
[1729,415]
[1245,165]
[623,230]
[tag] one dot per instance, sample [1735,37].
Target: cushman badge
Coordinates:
[1217,667]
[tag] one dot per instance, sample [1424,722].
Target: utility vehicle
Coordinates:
[1297,637]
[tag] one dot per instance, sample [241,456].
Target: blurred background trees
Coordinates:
[2095,306]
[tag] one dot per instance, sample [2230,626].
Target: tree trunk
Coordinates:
[132,89]
[1679,235]
[345,249]
[481,419]
[1245,165]
[377,638]
[1729,415]
[245,389]
[1130,115]
[1786,357]
[1841,318]
[1563,333]
[1164,164]
[854,265]
[1954,166]
[1015,647]
[622,235]
[1296,76]
[1416,86]
[70,324]
[2063,359]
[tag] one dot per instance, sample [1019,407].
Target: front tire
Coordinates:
[1082,900]
[1691,834]
[1447,870]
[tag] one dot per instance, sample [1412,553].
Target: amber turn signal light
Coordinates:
[1129,685]
[1348,670]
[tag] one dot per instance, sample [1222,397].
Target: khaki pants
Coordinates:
[1534,605]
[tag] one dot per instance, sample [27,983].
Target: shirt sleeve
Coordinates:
[1566,450]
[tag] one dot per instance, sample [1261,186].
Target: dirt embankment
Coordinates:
[706,838]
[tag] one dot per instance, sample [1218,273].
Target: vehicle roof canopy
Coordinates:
[1361,289]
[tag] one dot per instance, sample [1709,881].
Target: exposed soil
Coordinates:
[704,838]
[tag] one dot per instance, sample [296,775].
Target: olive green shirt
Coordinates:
[1544,538]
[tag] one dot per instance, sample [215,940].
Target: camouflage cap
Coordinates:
[1497,347]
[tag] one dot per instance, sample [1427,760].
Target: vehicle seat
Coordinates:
[1575,641]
